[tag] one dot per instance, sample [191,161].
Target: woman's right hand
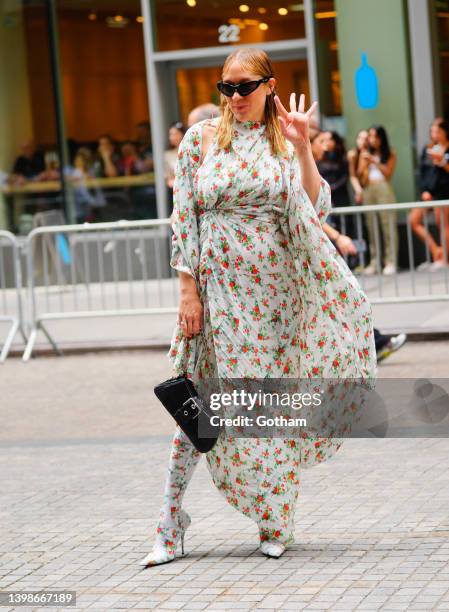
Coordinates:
[190,314]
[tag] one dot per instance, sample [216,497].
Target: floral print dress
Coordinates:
[278,302]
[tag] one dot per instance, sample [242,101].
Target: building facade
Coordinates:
[88,88]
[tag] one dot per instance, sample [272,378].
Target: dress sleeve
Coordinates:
[185,240]
[323,204]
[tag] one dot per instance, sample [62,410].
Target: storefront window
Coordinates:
[100,72]
[29,158]
[104,86]
[187,24]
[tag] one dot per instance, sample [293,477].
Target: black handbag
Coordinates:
[190,411]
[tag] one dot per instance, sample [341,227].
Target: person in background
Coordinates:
[376,167]
[52,168]
[333,167]
[28,164]
[353,164]
[386,344]
[107,159]
[129,163]
[48,200]
[440,190]
[318,143]
[175,135]
[202,112]
[426,184]
[81,170]
[144,146]
[143,197]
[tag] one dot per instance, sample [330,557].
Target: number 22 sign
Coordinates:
[228,33]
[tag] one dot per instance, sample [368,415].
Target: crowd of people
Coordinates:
[361,175]
[368,168]
[106,158]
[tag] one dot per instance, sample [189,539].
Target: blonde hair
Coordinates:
[254,61]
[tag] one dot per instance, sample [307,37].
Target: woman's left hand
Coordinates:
[295,124]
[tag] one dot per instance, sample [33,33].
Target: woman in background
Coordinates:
[426,184]
[333,167]
[376,167]
[175,135]
[353,164]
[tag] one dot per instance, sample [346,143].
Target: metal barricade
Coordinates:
[122,268]
[98,270]
[412,275]
[11,310]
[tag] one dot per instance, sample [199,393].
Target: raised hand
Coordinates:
[295,124]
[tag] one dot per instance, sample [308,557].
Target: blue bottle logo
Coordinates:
[366,84]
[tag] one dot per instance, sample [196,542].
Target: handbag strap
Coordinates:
[194,348]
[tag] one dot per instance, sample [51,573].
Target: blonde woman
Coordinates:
[261,282]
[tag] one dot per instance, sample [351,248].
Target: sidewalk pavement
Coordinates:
[83,456]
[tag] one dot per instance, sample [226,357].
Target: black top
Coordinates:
[432,178]
[29,166]
[336,172]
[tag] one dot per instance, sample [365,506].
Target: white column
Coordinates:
[422,69]
[156,104]
[309,20]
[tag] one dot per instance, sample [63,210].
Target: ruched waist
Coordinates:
[268,215]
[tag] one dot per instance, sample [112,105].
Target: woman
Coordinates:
[79,174]
[376,167]
[333,167]
[175,135]
[440,188]
[358,184]
[426,180]
[262,283]
[318,143]
[107,159]
[353,163]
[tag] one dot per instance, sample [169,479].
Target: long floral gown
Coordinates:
[278,302]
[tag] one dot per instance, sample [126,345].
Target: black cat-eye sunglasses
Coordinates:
[243,89]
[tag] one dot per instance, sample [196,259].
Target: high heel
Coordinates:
[272,549]
[167,540]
